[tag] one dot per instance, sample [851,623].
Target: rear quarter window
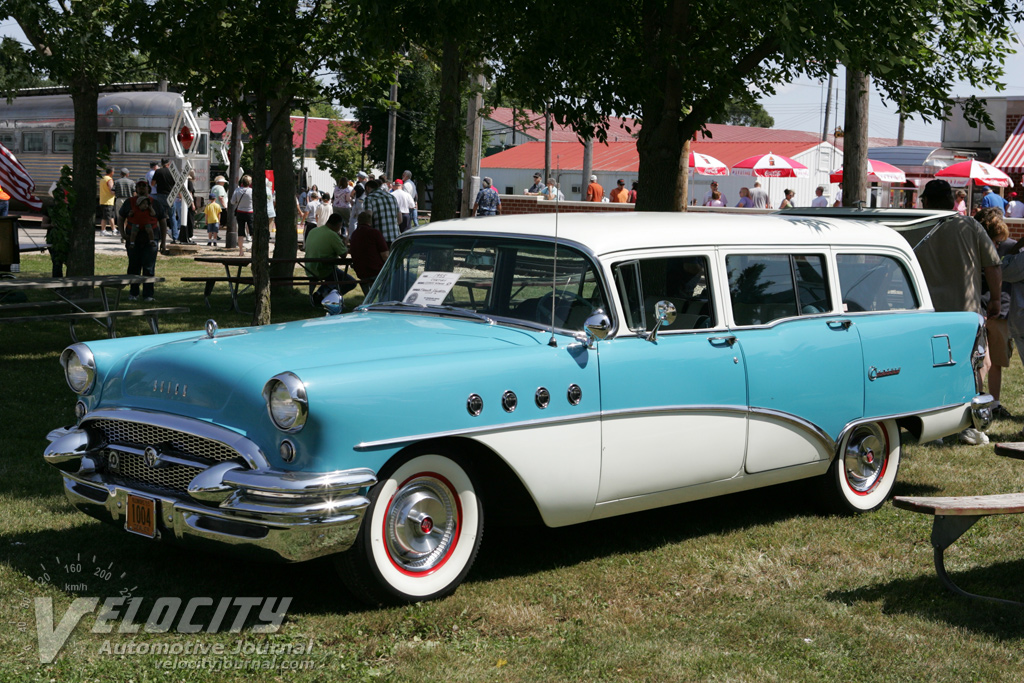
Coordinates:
[874,282]
[767,287]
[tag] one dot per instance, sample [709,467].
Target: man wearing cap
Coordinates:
[1015,207]
[954,257]
[595,192]
[488,202]
[404,201]
[218,193]
[620,195]
[991,199]
[537,186]
[707,195]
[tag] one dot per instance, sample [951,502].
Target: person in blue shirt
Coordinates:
[991,199]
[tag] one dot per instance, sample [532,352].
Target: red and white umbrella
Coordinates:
[707,165]
[878,172]
[770,166]
[978,171]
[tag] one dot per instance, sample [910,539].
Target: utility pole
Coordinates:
[474,133]
[389,165]
[547,144]
[855,138]
[828,108]
[901,131]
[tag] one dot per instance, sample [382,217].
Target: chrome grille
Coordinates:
[139,434]
[174,477]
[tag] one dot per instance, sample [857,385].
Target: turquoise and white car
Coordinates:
[630,362]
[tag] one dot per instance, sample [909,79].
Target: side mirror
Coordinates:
[665,313]
[333,303]
[597,326]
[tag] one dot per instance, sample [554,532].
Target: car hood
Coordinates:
[206,374]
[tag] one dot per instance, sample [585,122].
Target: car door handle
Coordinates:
[722,341]
[839,324]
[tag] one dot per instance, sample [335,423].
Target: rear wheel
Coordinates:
[863,474]
[419,536]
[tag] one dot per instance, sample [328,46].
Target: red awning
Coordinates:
[1011,157]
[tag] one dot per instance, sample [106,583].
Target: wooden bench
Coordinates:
[953,516]
[247,281]
[110,318]
[46,304]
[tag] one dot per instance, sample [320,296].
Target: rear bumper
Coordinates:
[981,411]
[269,514]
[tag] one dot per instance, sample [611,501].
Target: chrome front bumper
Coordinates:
[272,514]
[981,411]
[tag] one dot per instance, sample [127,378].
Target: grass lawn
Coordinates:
[750,587]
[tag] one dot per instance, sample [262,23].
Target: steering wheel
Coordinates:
[563,301]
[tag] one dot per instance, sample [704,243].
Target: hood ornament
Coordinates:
[211,328]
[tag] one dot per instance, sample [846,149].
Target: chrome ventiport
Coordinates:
[542,398]
[474,404]
[575,394]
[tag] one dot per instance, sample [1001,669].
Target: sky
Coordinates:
[801,105]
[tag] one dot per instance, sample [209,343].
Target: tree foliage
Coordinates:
[341,150]
[744,111]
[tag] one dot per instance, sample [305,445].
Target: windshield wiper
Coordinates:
[447,308]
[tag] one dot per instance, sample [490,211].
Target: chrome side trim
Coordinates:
[897,416]
[249,451]
[814,430]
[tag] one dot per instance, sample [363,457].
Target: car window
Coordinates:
[679,280]
[507,278]
[767,287]
[873,282]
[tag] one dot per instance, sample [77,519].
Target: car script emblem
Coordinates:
[874,373]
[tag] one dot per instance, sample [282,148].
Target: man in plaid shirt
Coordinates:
[384,208]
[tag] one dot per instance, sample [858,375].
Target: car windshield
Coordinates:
[492,278]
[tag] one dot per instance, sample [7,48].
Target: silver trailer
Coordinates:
[134,128]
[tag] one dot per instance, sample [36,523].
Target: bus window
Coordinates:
[7,140]
[32,142]
[107,140]
[136,142]
[63,140]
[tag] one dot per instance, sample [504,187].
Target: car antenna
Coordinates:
[554,262]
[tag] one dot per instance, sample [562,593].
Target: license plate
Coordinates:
[141,516]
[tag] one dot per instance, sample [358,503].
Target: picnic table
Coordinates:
[109,287]
[237,282]
[954,515]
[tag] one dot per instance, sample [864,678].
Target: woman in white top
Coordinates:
[242,199]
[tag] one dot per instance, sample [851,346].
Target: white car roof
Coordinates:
[606,233]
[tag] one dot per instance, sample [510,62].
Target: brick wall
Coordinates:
[517,204]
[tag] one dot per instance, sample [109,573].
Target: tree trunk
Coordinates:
[261,224]
[855,138]
[282,160]
[588,164]
[447,133]
[664,140]
[85,181]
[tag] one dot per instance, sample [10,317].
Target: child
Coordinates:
[212,212]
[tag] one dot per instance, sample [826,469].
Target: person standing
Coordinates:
[1000,345]
[960,202]
[404,200]
[759,196]
[124,188]
[212,212]
[620,195]
[595,192]
[632,193]
[488,202]
[341,200]
[954,257]
[242,201]
[163,184]
[144,224]
[1015,207]
[153,166]
[409,186]
[787,201]
[189,202]
[707,195]
[820,201]
[384,208]
[218,193]
[358,198]
[745,201]
[107,203]
[991,199]
[368,249]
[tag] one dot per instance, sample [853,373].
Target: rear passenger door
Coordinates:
[804,378]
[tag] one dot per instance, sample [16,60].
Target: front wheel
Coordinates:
[420,534]
[864,472]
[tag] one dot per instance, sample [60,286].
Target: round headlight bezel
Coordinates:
[78,359]
[295,389]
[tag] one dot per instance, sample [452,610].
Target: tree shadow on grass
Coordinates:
[925,596]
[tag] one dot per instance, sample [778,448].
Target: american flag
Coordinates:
[16,181]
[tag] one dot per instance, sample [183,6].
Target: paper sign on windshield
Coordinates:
[431,288]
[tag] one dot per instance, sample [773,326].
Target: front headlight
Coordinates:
[79,368]
[285,395]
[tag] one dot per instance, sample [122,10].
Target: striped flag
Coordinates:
[16,181]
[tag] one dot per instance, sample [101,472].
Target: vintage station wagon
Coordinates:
[626,363]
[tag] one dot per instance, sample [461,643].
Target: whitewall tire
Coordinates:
[863,474]
[419,536]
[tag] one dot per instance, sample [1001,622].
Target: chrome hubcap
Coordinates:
[865,457]
[421,524]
